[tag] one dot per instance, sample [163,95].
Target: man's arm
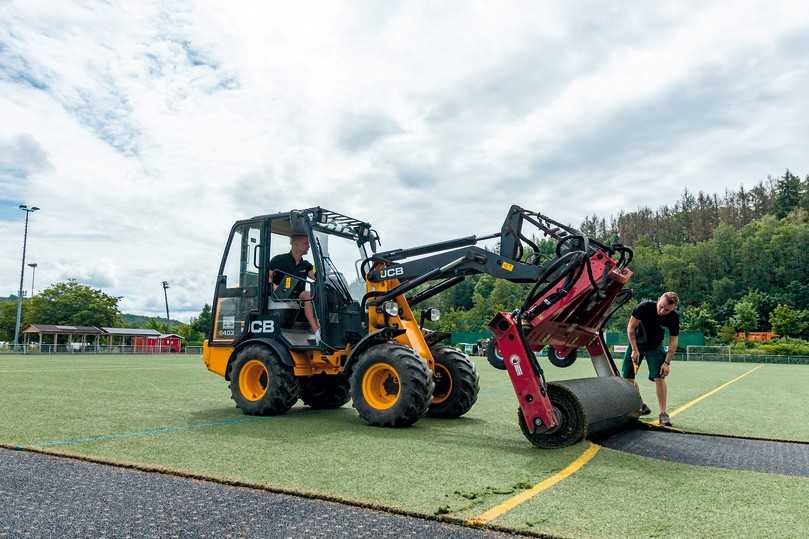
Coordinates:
[673,340]
[631,329]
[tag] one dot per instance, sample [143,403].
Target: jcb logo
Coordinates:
[262,326]
[392,272]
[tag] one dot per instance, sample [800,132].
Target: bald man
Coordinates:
[645,334]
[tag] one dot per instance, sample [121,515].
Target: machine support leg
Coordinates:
[529,386]
[602,360]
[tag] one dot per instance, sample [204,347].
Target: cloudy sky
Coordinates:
[144,129]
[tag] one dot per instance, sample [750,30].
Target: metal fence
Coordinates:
[743,358]
[78,348]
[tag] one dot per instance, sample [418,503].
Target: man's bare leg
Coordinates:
[660,387]
[309,310]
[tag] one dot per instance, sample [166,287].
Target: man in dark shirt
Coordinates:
[292,264]
[645,333]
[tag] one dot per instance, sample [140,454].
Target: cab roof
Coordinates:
[320,218]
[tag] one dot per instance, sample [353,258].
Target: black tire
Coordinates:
[456,383]
[568,410]
[493,356]
[562,361]
[325,391]
[254,369]
[391,386]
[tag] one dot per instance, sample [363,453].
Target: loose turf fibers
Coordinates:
[169,412]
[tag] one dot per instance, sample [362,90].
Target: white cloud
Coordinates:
[144,129]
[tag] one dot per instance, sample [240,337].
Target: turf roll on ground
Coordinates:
[586,406]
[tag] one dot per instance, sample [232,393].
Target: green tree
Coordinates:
[722,290]
[189,335]
[71,303]
[727,333]
[202,323]
[699,318]
[787,194]
[787,321]
[158,324]
[805,193]
[484,286]
[763,304]
[746,318]
[8,319]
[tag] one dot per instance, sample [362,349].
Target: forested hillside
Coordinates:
[738,261]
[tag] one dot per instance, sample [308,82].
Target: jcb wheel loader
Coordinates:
[374,349]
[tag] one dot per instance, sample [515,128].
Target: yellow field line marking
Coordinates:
[514,501]
[688,405]
[574,466]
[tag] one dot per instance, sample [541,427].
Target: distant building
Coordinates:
[169,342]
[77,338]
[757,336]
[72,337]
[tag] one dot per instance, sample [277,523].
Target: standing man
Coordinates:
[293,264]
[645,333]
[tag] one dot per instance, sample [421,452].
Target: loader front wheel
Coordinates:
[456,383]
[325,391]
[260,384]
[391,386]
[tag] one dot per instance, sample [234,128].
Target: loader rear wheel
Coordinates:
[260,384]
[456,383]
[391,386]
[494,357]
[325,391]
[562,361]
[572,421]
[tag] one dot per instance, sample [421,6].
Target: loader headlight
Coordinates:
[434,314]
[391,308]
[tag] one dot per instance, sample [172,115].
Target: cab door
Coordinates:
[238,286]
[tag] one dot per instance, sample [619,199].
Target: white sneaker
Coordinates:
[317,337]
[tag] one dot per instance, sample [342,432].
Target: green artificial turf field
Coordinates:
[169,412]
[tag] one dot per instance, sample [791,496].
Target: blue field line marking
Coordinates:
[145,432]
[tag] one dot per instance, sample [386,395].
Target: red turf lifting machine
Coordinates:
[575,291]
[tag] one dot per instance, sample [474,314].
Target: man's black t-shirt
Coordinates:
[650,332]
[286,263]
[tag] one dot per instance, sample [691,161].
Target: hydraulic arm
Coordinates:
[573,294]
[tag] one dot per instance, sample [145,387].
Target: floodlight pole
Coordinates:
[27,211]
[166,296]
[33,267]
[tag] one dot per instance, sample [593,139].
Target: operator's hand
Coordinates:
[635,357]
[665,369]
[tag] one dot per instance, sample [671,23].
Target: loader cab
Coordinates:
[248,305]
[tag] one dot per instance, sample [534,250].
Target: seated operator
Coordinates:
[292,263]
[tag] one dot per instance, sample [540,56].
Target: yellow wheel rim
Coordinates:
[253,380]
[443,383]
[380,386]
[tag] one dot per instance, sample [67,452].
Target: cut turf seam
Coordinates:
[708,466]
[654,426]
[277,490]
